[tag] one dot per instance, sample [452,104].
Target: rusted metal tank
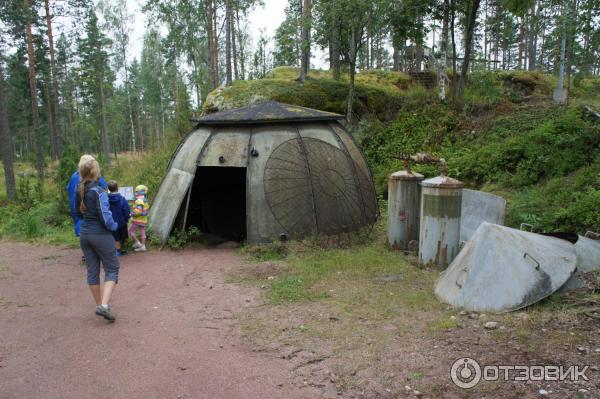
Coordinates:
[404,196]
[439,231]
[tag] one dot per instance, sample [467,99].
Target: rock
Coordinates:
[491,325]
[408,388]
[597,350]
[543,392]
[271,278]
[463,313]
[581,349]
[452,317]
[582,390]
[417,393]
[473,316]
[482,316]
[522,316]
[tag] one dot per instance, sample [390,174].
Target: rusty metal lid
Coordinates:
[406,175]
[443,182]
[501,269]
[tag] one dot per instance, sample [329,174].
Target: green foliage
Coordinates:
[266,252]
[178,238]
[425,128]
[483,92]
[38,221]
[66,166]
[148,168]
[528,82]
[559,145]
[566,203]
[544,159]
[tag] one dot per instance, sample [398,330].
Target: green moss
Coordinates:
[377,93]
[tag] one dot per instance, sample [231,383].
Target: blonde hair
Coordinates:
[89,170]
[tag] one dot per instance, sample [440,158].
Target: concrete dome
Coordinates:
[264,172]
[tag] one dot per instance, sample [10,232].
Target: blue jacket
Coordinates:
[97,218]
[119,208]
[72,189]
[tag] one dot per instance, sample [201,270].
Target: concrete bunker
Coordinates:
[265,172]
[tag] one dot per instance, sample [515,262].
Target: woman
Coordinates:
[96,240]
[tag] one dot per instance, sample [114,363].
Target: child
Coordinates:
[121,214]
[140,218]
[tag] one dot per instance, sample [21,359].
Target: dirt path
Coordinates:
[175,336]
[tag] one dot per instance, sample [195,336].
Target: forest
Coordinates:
[71,83]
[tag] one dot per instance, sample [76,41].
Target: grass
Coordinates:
[43,216]
[435,327]
[334,273]
[377,94]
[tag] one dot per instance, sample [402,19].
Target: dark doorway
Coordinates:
[218,202]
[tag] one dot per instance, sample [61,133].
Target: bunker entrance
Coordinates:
[217,203]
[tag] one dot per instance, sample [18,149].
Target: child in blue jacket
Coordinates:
[121,214]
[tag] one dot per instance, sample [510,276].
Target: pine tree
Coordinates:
[94,70]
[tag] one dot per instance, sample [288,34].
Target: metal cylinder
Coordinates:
[439,231]
[404,196]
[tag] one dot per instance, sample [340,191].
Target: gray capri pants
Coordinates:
[97,248]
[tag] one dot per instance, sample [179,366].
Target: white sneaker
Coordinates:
[140,249]
[137,244]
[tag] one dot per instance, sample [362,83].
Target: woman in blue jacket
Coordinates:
[96,239]
[72,190]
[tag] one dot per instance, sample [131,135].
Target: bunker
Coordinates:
[266,172]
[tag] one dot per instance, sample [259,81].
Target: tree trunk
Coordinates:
[497,38]
[6,145]
[103,128]
[35,114]
[444,51]
[485,37]
[305,57]
[228,15]
[55,99]
[241,46]
[234,46]
[53,145]
[452,34]
[139,123]
[396,57]
[212,41]
[470,28]
[350,103]
[335,41]
[571,33]
[196,83]
[533,27]
[505,55]
[521,38]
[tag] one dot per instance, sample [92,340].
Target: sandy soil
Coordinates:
[175,336]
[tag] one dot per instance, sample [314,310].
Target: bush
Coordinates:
[483,92]
[178,239]
[558,146]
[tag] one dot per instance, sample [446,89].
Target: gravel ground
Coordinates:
[175,336]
